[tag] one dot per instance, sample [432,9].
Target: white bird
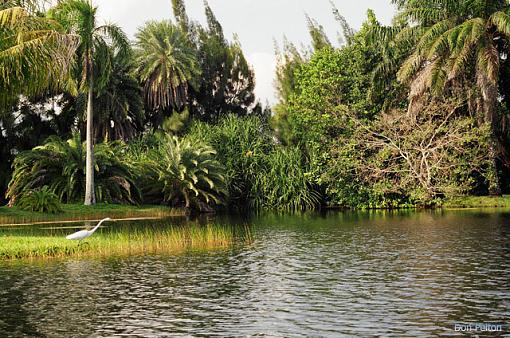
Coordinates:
[82,234]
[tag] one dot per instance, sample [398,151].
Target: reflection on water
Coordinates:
[341,273]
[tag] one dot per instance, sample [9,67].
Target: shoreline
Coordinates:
[74,213]
[12,216]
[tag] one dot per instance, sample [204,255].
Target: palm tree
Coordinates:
[456,43]
[120,103]
[59,165]
[80,17]
[189,173]
[166,64]
[118,107]
[35,54]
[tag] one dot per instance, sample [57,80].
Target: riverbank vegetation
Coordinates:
[410,114]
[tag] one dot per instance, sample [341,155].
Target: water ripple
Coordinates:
[398,275]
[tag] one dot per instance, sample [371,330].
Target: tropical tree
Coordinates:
[118,106]
[227,82]
[167,65]
[457,43]
[35,54]
[94,66]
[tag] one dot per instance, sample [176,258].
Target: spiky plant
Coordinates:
[40,200]
[60,165]
[189,173]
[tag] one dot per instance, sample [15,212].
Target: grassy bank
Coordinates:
[15,215]
[172,240]
[477,202]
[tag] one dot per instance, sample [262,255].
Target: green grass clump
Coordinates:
[171,240]
[478,202]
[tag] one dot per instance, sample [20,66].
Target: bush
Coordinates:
[40,200]
[284,183]
[60,165]
[242,144]
[189,172]
[179,172]
[260,173]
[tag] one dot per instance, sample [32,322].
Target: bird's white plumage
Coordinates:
[82,234]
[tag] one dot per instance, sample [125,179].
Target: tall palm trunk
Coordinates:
[90,196]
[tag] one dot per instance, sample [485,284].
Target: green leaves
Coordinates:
[188,173]
[60,165]
[35,55]
[166,62]
[40,200]
[259,173]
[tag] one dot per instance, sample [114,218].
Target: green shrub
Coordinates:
[189,172]
[178,171]
[40,200]
[60,165]
[284,184]
[242,145]
[260,173]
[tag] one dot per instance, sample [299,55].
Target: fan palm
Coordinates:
[456,43]
[35,54]
[94,54]
[166,65]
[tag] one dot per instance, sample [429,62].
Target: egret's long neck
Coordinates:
[98,225]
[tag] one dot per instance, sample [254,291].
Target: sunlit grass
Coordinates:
[137,242]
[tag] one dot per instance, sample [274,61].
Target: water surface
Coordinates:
[363,274]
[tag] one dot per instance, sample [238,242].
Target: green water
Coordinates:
[334,274]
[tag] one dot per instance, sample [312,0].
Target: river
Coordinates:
[331,274]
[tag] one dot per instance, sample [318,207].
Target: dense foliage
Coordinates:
[60,165]
[260,173]
[394,116]
[40,200]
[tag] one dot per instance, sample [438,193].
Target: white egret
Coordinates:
[82,234]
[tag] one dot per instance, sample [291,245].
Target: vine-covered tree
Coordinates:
[456,42]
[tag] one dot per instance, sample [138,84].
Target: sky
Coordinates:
[257,23]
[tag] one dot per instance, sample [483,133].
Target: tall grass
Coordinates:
[284,184]
[136,242]
[261,174]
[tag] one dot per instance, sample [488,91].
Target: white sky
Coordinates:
[257,23]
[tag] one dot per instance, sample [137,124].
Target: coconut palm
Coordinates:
[35,54]
[456,43]
[166,64]
[94,55]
